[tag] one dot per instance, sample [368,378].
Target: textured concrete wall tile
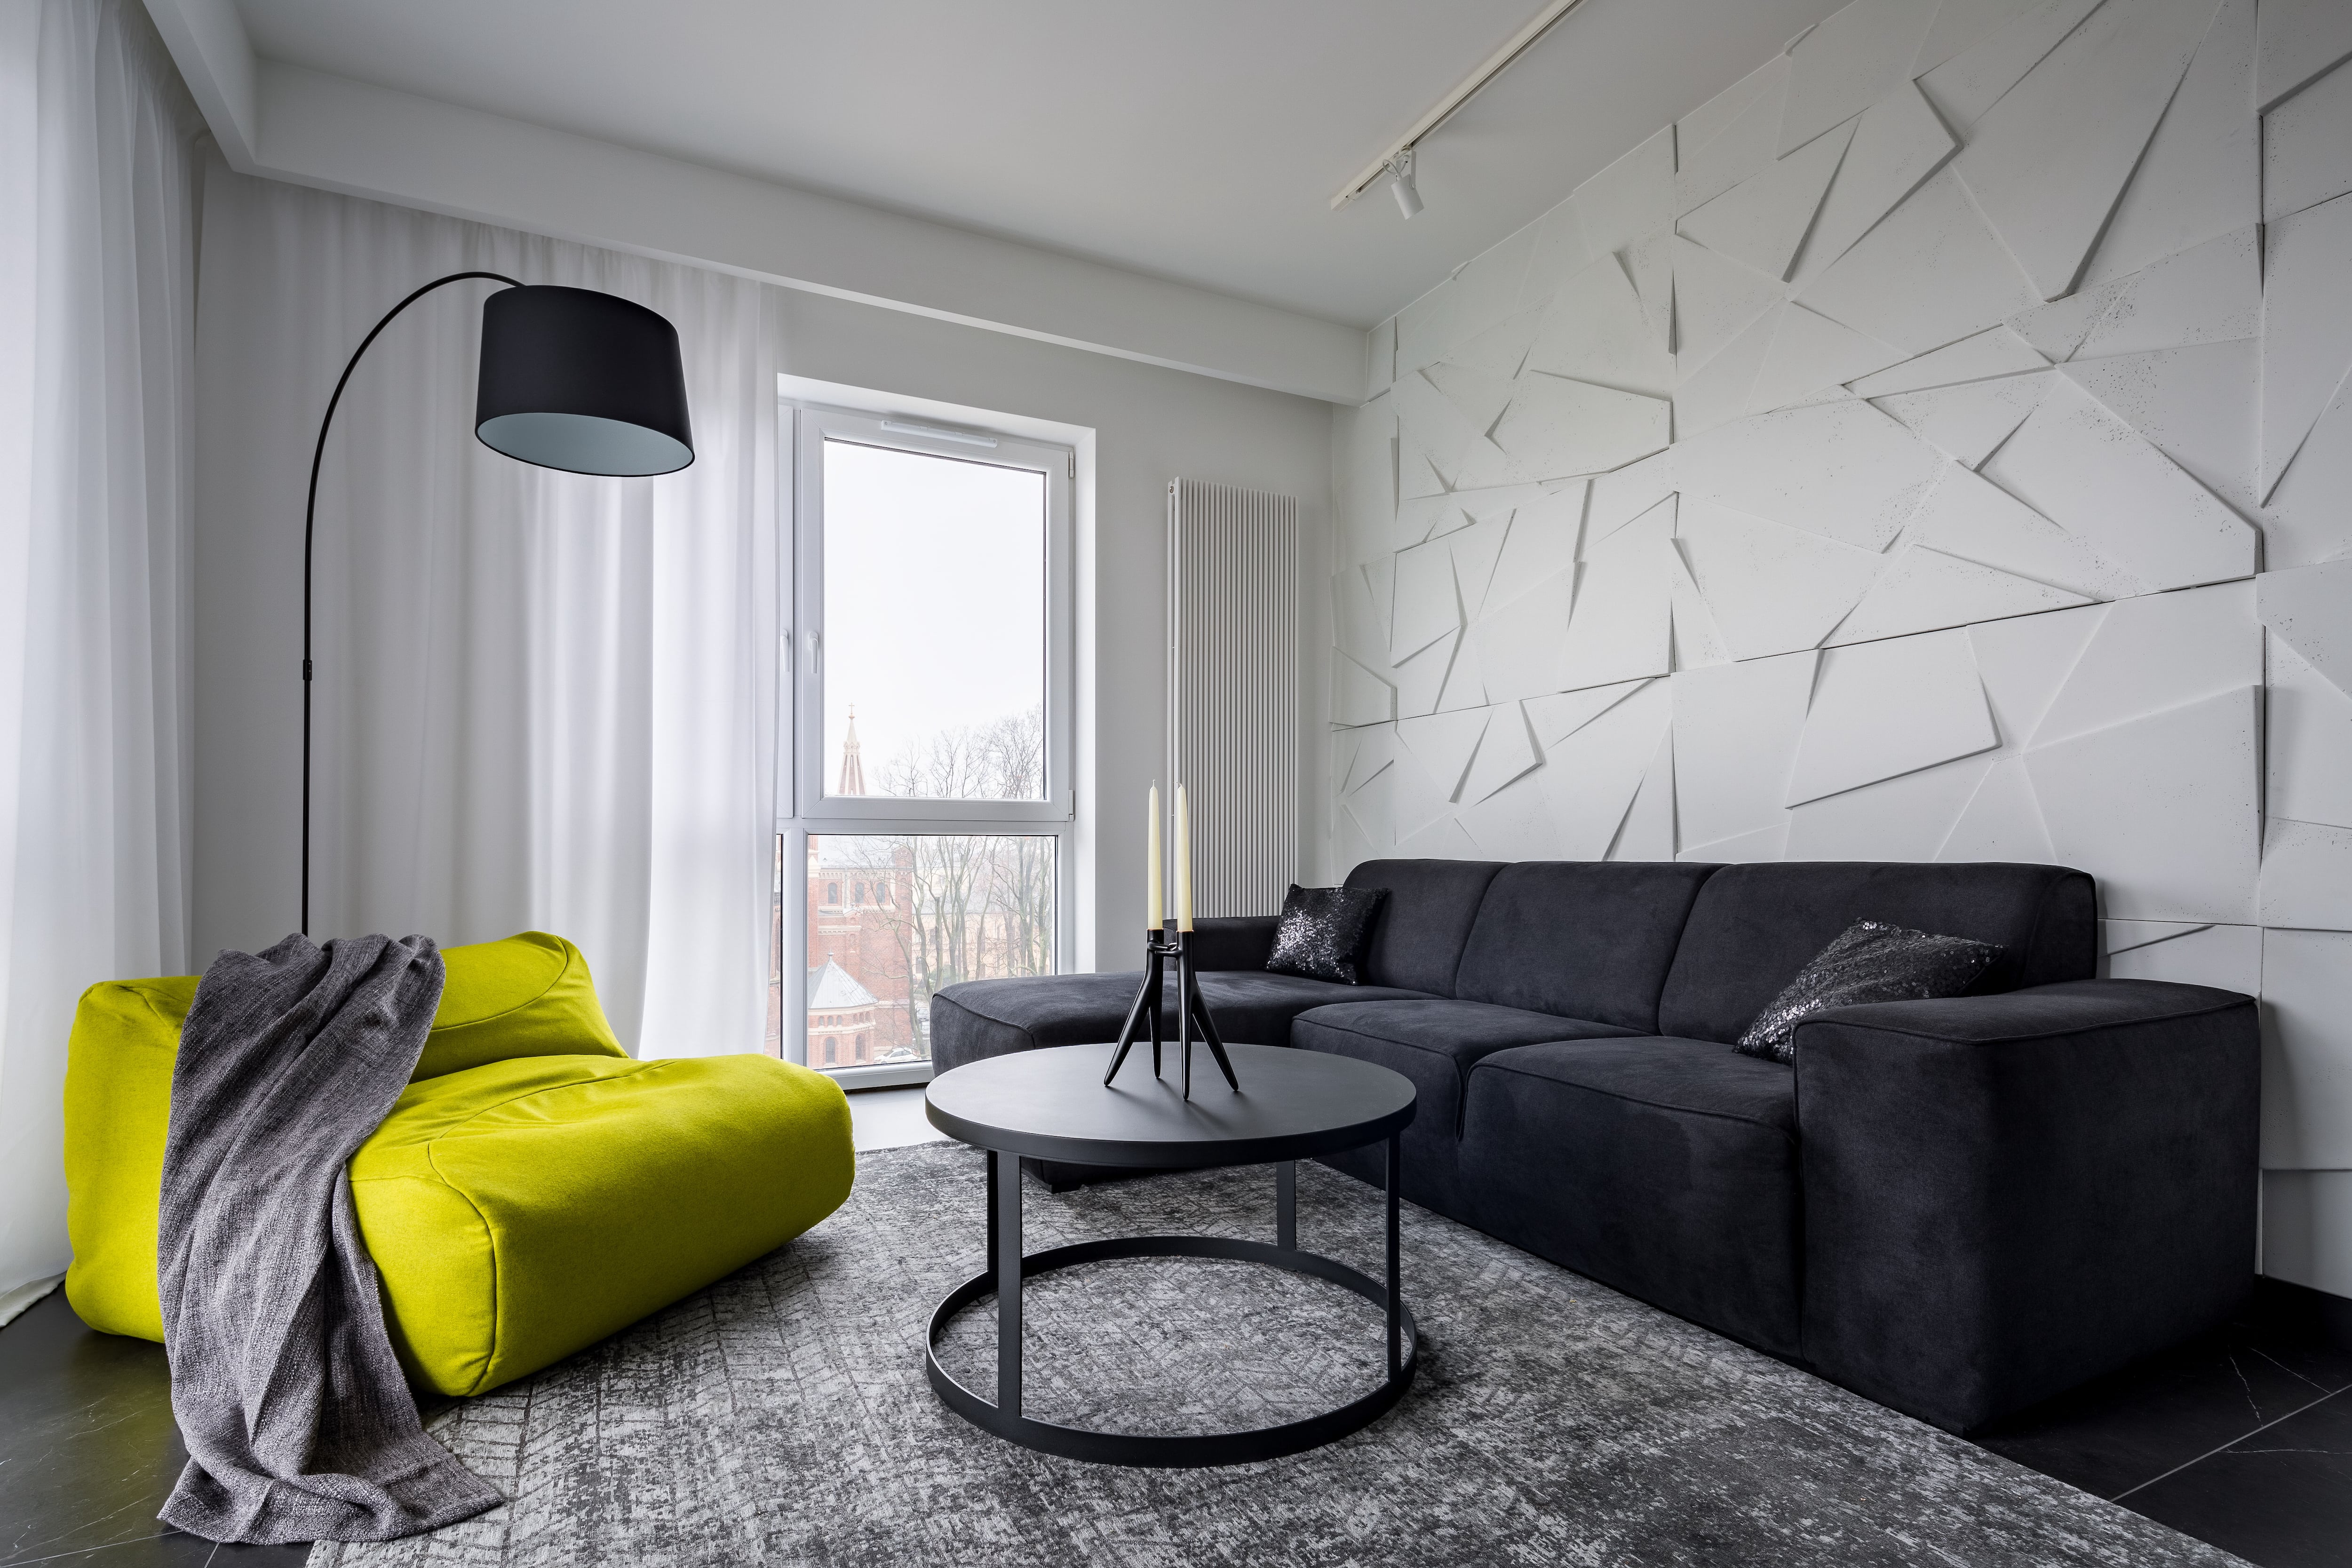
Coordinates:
[1770,589]
[1558,716]
[2154,653]
[2048,160]
[2307,521]
[2092,475]
[1924,589]
[1428,605]
[1621,627]
[1897,143]
[1717,392]
[1736,730]
[1357,696]
[1906,818]
[2306,327]
[1517,642]
[2298,39]
[1967,422]
[1841,470]
[2307,875]
[1849,62]
[1555,427]
[2303,160]
[1513,824]
[2003,820]
[1970,83]
[2311,608]
[1505,753]
[1932,272]
[2307,1049]
[1996,352]
[2210,293]
[1594,330]
[1590,776]
[1961,25]
[2197,406]
[2307,728]
[1811,353]
[1760,220]
[1977,521]
[2227,956]
[1631,199]
[1648,831]
[1715,299]
[1730,136]
[2162,809]
[2199,175]
[1884,708]
[2024,662]
[1482,293]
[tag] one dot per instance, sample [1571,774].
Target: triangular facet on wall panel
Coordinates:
[1444,743]
[2164,810]
[2307,742]
[2307,875]
[2201,175]
[1854,58]
[1716,299]
[1811,353]
[1541,542]
[2307,521]
[1736,729]
[2304,139]
[1507,752]
[2155,652]
[1841,469]
[2226,957]
[2311,608]
[1517,641]
[1466,678]
[1623,494]
[1930,273]
[1964,87]
[1427,603]
[2023,662]
[1500,350]
[2117,937]
[2197,406]
[1555,427]
[1898,143]
[1621,627]
[1760,221]
[1481,291]
[1376,747]
[1443,839]
[1632,198]
[1419,679]
[1650,263]
[1730,136]
[2210,293]
[1904,818]
[2307,327]
[1770,589]
[1559,253]
[2299,39]
[1591,777]
[1977,521]
[2057,329]
[2086,470]
[2047,162]
[1648,831]
[1357,696]
[1889,707]
[2002,821]
[1560,714]
[1719,392]
[1512,824]
[1924,589]
[1994,352]
[1698,642]
[1960,26]
[1967,422]
[1763,846]
[1479,396]
[1476,550]
[1594,331]
[1360,626]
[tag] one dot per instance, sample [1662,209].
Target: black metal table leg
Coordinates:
[1286,1203]
[988,1259]
[1006,1222]
[1396,1297]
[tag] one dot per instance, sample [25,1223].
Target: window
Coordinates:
[927,752]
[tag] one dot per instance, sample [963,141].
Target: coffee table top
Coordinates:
[1051,1104]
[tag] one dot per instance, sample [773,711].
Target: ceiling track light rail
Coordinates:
[1395,164]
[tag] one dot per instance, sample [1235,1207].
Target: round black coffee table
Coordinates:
[1051,1105]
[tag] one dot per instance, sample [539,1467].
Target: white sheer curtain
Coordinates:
[97,311]
[543,700]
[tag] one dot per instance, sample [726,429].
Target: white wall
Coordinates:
[1937,447]
[1150,425]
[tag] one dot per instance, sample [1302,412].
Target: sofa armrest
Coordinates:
[1233,942]
[2007,1195]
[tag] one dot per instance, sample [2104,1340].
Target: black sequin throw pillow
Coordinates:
[1324,932]
[1867,962]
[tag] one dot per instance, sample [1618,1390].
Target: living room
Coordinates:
[1538,781]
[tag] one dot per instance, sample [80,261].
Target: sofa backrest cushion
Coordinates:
[1424,921]
[1585,939]
[1754,927]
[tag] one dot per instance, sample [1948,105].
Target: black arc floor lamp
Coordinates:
[572,379]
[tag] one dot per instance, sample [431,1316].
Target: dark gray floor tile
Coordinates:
[170,1550]
[2281,1498]
[87,1449]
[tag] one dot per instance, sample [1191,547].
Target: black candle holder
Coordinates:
[1158,947]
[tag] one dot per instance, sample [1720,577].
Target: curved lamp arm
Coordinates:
[309,533]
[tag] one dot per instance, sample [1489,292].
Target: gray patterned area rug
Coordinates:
[782,1417]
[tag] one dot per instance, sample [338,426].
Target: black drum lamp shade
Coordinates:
[581,381]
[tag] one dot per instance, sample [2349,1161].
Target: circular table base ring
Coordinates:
[1188,1450]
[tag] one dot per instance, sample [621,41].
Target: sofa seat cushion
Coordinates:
[1664,1167]
[981,1018]
[523,1210]
[1435,1042]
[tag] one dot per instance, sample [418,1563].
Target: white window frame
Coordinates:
[803,807]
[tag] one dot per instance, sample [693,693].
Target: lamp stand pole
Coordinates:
[309,533]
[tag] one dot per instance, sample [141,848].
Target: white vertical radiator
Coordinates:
[1232,689]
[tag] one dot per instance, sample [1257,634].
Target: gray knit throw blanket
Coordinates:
[299,1424]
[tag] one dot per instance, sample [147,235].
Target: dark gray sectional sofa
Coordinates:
[1956,1208]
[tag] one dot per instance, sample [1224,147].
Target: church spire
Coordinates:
[852,767]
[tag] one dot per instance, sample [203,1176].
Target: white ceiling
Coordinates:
[1197,140]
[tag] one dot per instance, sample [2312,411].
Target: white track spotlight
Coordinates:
[1401,183]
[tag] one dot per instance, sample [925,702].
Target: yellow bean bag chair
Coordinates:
[533,1190]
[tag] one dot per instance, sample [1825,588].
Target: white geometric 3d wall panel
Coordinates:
[1936,447]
